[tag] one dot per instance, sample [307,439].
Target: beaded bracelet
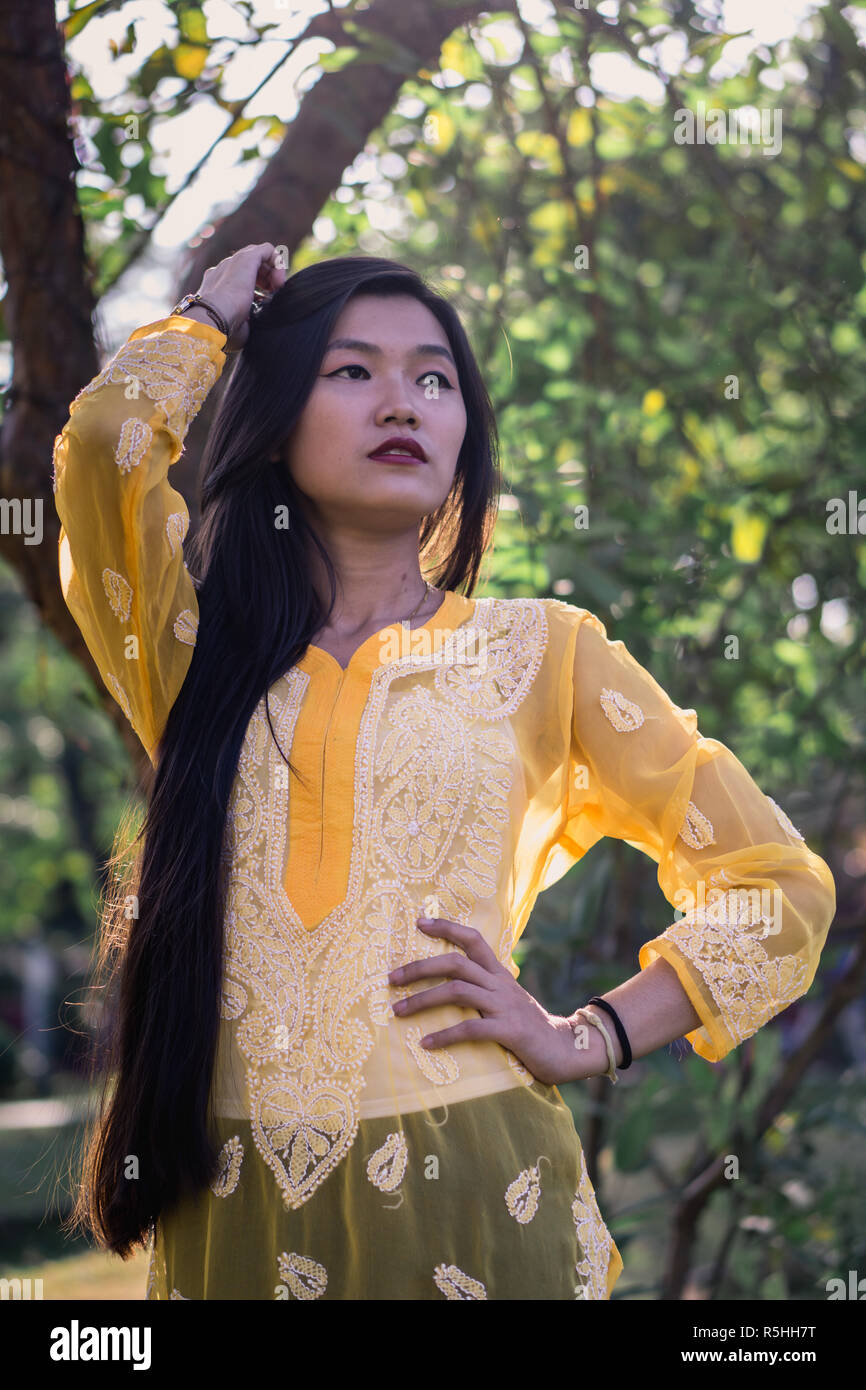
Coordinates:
[597,1023]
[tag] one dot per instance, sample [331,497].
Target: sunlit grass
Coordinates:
[93,1275]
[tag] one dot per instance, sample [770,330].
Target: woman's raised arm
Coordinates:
[122,569]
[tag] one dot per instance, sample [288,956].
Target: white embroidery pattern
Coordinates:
[118,592]
[186,627]
[119,694]
[785,822]
[697,830]
[624,715]
[439,1066]
[302,1000]
[593,1237]
[748,986]
[134,440]
[523,1195]
[386,1167]
[174,370]
[305,1278]
[456,1285]
[230,1159]
[176,527]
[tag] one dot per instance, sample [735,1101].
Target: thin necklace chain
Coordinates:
[428,588]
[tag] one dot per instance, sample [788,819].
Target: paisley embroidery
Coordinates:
[623,714]
[784,821]
[315,995]
[593,1237]
[437,1064]
[305,1278]
[176,527]
[455,1284]
[119,694]
[186,627]
[118,592]
[388,1164]
[134,441]
[173,369]
[696,829]
[523,1195]
[230,1159]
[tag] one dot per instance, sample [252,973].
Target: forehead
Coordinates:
[385,319]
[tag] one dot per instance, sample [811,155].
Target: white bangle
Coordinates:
[597,1023]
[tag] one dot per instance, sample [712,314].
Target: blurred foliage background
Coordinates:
[674,337]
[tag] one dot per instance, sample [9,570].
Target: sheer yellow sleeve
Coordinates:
[754,904]
[122,571]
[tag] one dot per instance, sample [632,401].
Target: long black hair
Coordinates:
[162,964]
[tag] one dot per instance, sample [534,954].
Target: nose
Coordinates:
[404,413]
[400,410]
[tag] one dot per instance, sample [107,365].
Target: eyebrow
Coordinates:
[358,345]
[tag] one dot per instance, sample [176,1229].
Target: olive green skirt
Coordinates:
[486,1198]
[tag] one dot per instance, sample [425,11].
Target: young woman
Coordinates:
[317,1093]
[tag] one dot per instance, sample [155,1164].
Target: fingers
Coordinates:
[452,964]
[269,276]
[468,996]
[472,942]
[469,1030]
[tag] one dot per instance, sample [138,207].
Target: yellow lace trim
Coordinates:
[593,1237]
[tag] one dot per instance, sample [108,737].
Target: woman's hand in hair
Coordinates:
[230,284]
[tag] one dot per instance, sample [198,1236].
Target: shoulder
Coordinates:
[548,626]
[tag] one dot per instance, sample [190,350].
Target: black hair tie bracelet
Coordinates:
[620,1031]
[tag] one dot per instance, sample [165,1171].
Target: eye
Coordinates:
[350,367]
[356,367]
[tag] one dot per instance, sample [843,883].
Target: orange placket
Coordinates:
[320,814]
[324,748]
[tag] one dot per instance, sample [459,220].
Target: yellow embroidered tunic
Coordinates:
[461,768]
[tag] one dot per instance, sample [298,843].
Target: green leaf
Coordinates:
[78,19]
[193,25]
[339,59]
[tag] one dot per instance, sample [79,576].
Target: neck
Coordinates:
[374,588]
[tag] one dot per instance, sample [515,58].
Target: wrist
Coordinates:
[205,309]
[588,1045]
[195,311]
